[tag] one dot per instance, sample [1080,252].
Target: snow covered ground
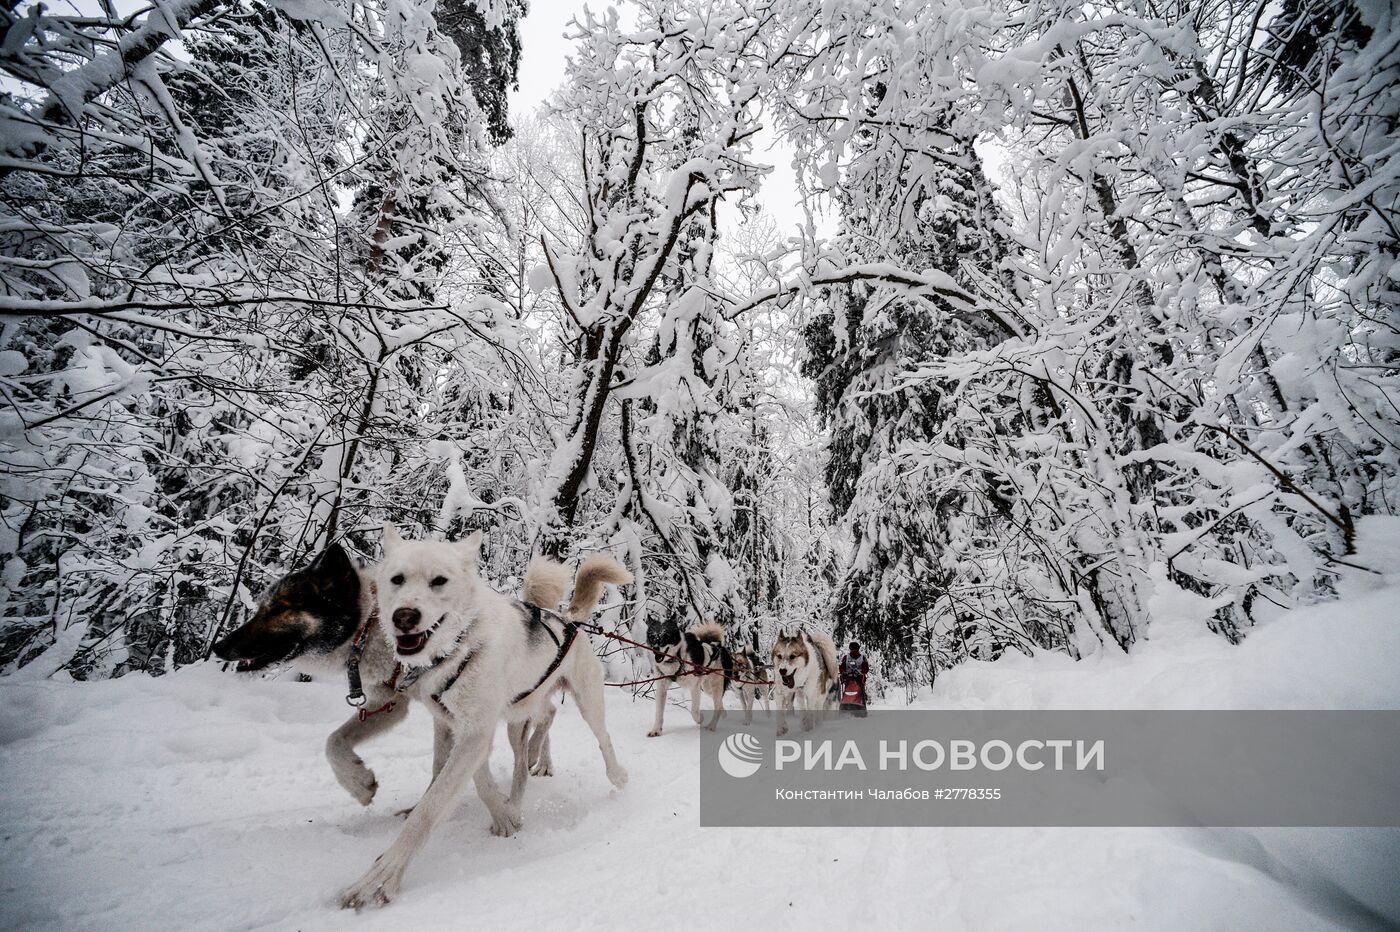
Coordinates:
[200,800]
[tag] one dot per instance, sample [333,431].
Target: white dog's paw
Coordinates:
[506,821]
[618,775]
[711,726]
[544,767]
[782,730]
[358,780]
[697,717]
[376,888]
[654,733]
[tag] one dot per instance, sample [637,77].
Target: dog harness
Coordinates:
[570,632]
[401,681]
[536,617]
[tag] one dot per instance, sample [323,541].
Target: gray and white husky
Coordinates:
[805,667]
[479,657]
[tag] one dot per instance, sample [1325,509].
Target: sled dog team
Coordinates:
[424,626]
[804,663]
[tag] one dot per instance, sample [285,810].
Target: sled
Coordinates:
[853,695]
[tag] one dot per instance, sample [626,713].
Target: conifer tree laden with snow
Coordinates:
[951,557]
[918,213]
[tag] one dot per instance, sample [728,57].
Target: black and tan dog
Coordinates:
[312,612]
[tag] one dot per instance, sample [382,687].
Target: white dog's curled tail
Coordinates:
[546,583]
[595,571]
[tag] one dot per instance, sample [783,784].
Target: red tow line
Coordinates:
[695,667]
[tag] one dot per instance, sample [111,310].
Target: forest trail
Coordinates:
[201,801]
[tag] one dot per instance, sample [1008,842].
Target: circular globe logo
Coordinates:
[740,755]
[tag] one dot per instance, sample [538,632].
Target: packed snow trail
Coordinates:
[200,800]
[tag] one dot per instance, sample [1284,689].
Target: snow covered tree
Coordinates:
[209,375]
[664,113]
[1107,323]
[890,133]
[1161,197]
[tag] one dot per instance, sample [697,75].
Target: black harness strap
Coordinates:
[356,694]
[537,618]
[452,680]
[570,632]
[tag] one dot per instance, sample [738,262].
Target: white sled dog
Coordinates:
[317,620]
[676,659]
[805,667]
[479,657]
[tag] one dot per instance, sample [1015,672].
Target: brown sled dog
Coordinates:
[749,672]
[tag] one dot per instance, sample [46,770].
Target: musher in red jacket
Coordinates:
[854,668]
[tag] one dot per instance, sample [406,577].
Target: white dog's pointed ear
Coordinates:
[471,545]
[391,536]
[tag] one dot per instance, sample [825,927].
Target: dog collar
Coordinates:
[404,677]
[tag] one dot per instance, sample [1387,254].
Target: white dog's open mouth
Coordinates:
[789,679]
[409,644]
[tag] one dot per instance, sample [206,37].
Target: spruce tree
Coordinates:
[862,349]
